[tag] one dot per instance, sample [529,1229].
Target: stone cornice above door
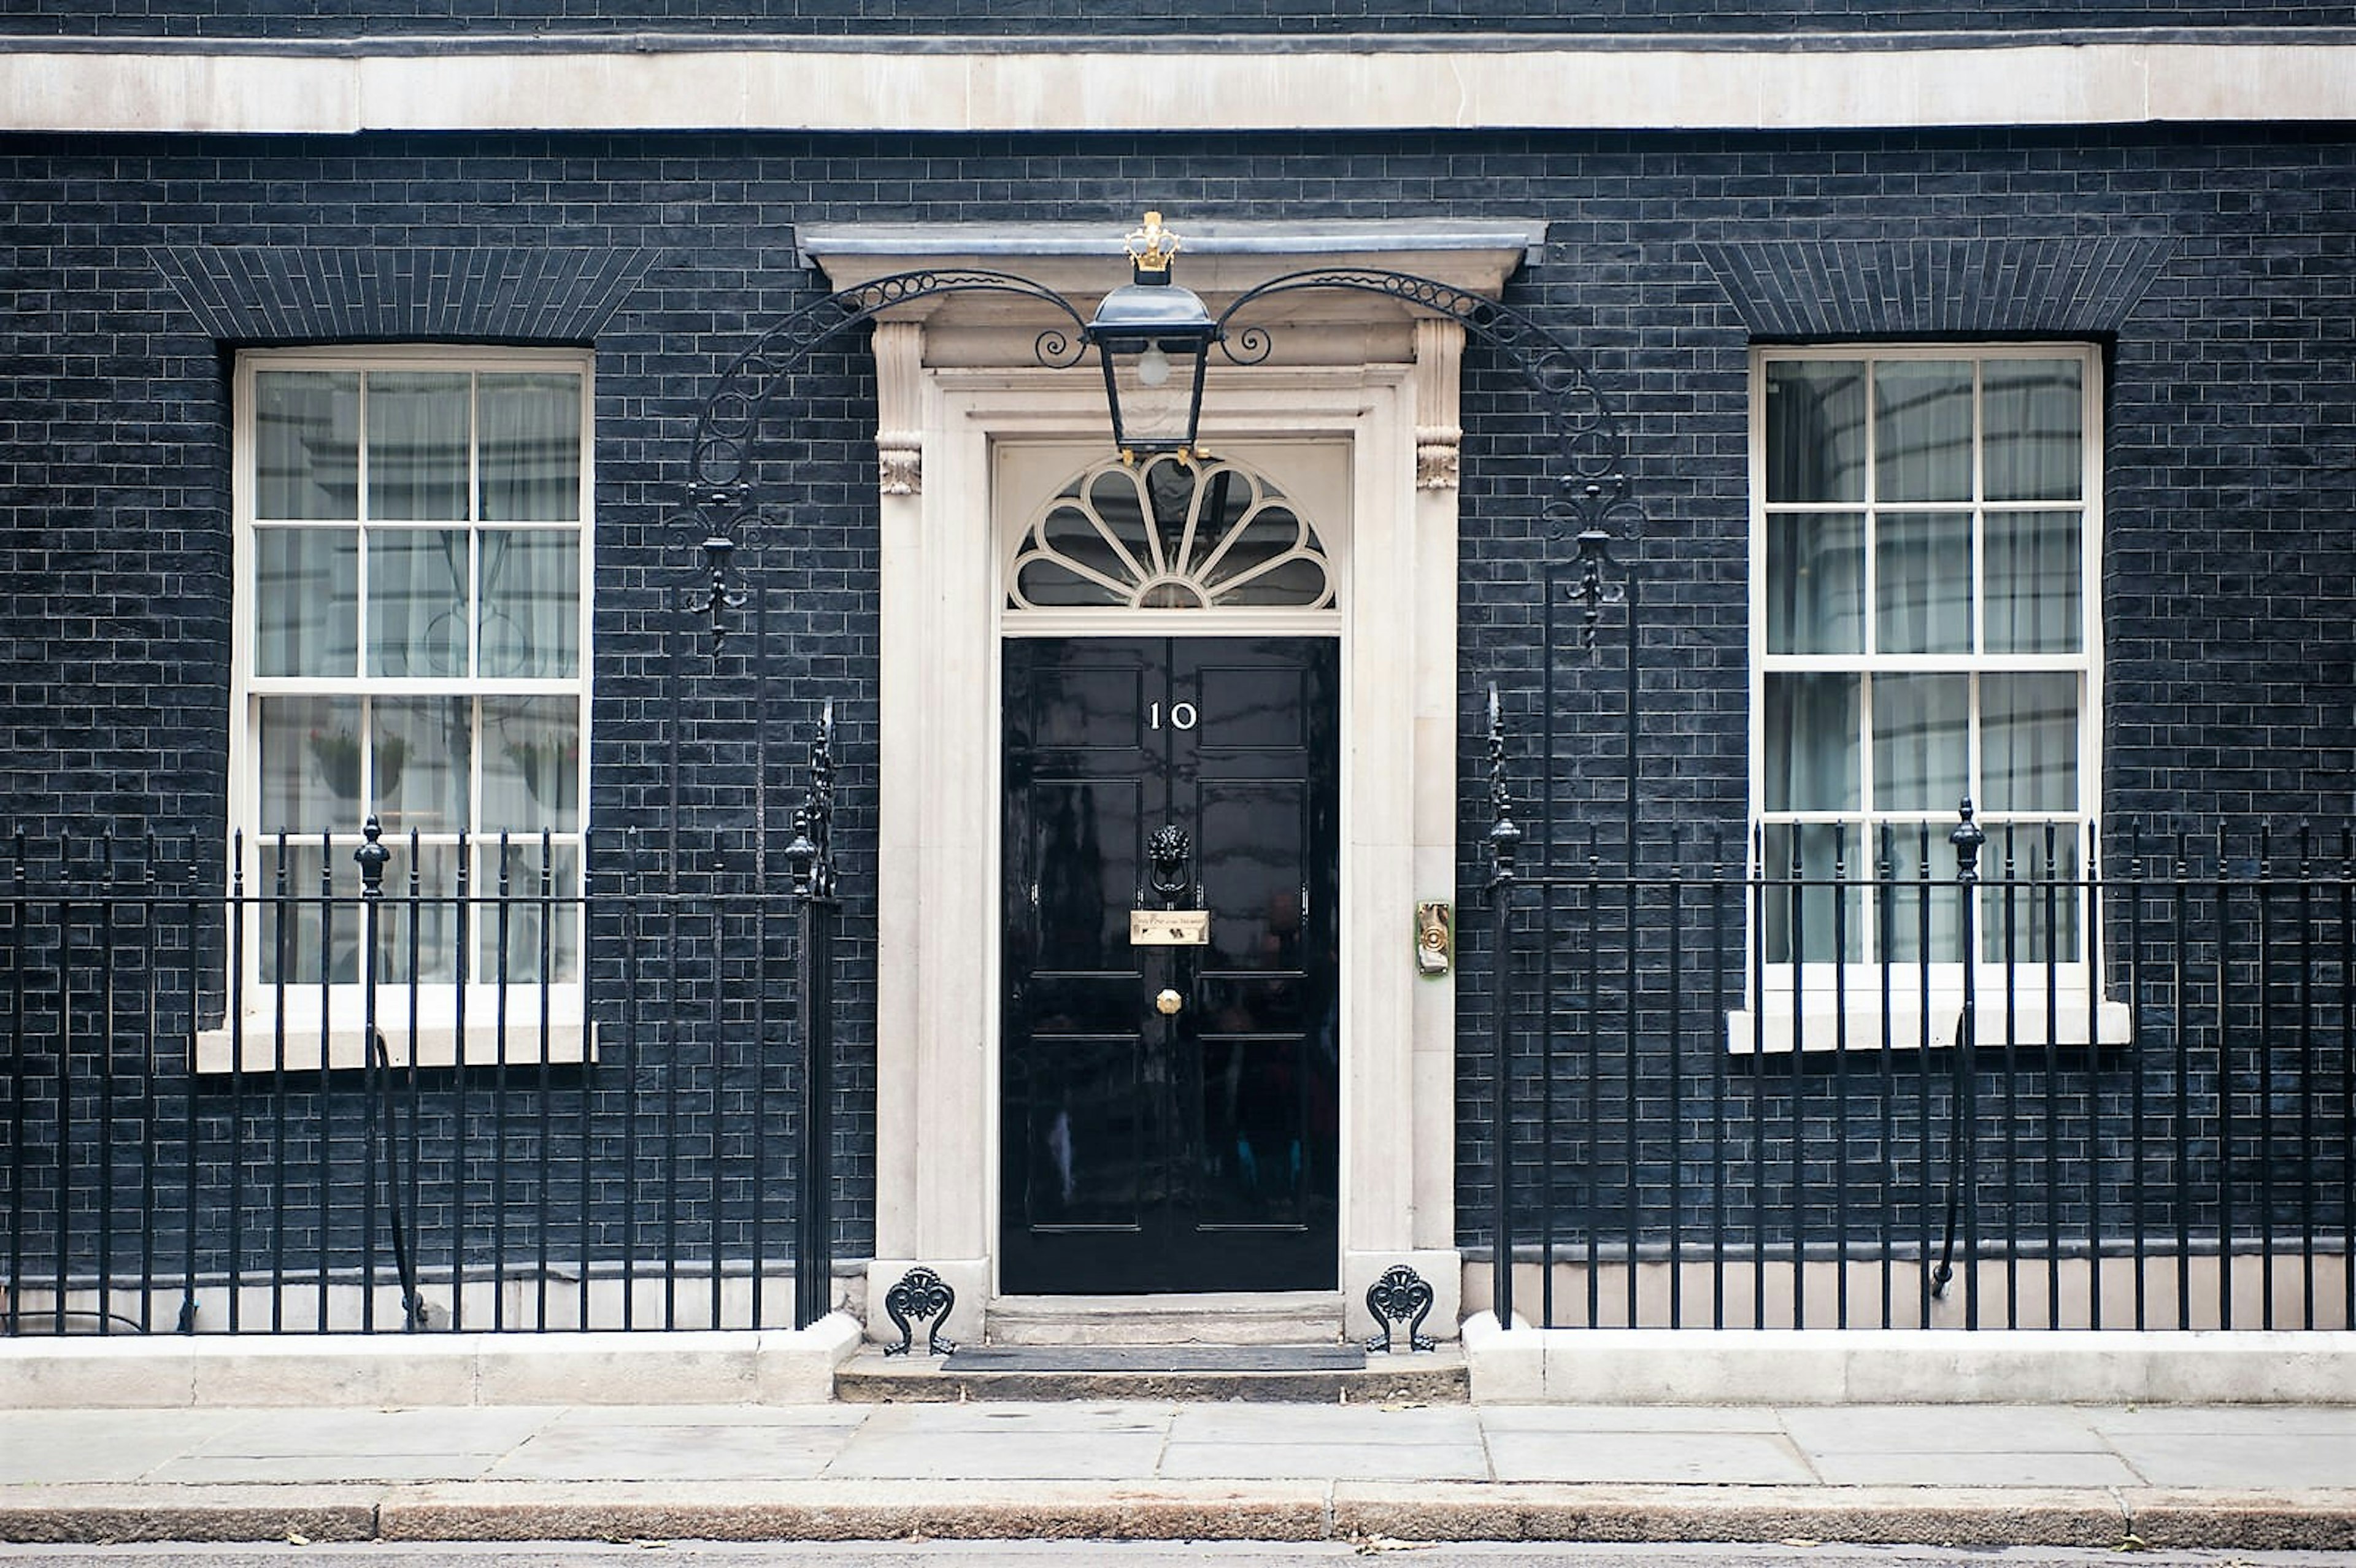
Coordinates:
[987,329]
[1220,259]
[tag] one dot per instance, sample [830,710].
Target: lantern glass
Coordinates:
[1152,337]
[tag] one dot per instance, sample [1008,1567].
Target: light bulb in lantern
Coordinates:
[1153,366]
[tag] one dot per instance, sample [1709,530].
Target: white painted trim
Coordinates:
[254,1042]
[938,945]
[953,85]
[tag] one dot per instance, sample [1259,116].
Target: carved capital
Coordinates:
[1438,448]
[900,457]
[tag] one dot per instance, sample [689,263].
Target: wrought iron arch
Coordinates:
[1594,505]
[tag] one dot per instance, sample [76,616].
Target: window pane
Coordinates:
[1922,732]
[2033,606]
[417,601]
[1922,430]
[1918,918]
[540,919]
[2030,411]
[1922,582]
[1816,908]
[429,925]
[532,764]
[307,590]
[417,446]
[306,443]
[1815,430]
[1815,583]
[310,749]
[305,937]
[2030,916]
[2029,742]
[1811,731]
[419,762]
[532,603]
[531,448]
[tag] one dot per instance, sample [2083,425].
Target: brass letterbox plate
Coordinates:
[1169,928]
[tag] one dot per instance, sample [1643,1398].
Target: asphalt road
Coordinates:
[1123,1554]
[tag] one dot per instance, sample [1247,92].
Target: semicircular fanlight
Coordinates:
[1169,533]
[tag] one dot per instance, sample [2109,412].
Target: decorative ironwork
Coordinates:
[1168,850]
[1401,1296]
[811,856]
[1591,592]
[923,1294]
[718,596]
[1585,434]
[1596,499]
[718,493]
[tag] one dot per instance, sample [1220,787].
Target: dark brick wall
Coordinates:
[282,19]
[2231,651]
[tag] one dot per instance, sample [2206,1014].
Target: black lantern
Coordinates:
[1154,339]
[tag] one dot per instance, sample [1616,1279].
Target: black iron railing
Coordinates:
[589,1090]
[1745,1085]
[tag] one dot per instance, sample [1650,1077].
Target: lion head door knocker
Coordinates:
[1168,850]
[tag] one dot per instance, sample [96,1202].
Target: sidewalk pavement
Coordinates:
[2242,1477]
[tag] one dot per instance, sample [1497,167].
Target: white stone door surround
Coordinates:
[1359,402]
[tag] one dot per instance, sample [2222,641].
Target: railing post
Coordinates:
[811,858]
[372,857]
[1969,838]
[1504,842]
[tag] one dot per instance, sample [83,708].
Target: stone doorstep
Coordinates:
[1282,1318]
[1431,1377]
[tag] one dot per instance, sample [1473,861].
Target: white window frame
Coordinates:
[306,1025]
[1862,1004]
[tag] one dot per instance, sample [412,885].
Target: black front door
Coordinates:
[1169,1107]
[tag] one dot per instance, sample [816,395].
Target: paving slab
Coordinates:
[1943,1429]
[2239,1459]
[1588,1418]
[1320,1422]
[672,1453]
[1972,1467]
[1741,1457]
[1045,1457]
[1462,1461]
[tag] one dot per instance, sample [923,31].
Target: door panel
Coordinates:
[1196,1150]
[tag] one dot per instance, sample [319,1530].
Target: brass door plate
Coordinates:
[1169,928]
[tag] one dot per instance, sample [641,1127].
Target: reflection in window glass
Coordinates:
[1922,430]
[306,444]
[418,425]
[1815,583]
[306,587]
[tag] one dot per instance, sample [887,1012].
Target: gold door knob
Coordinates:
[1168,1003]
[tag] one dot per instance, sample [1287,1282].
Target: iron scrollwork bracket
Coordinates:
[924,1295]
[1401,1296]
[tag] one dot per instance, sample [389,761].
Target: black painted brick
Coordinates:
[2231,651]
